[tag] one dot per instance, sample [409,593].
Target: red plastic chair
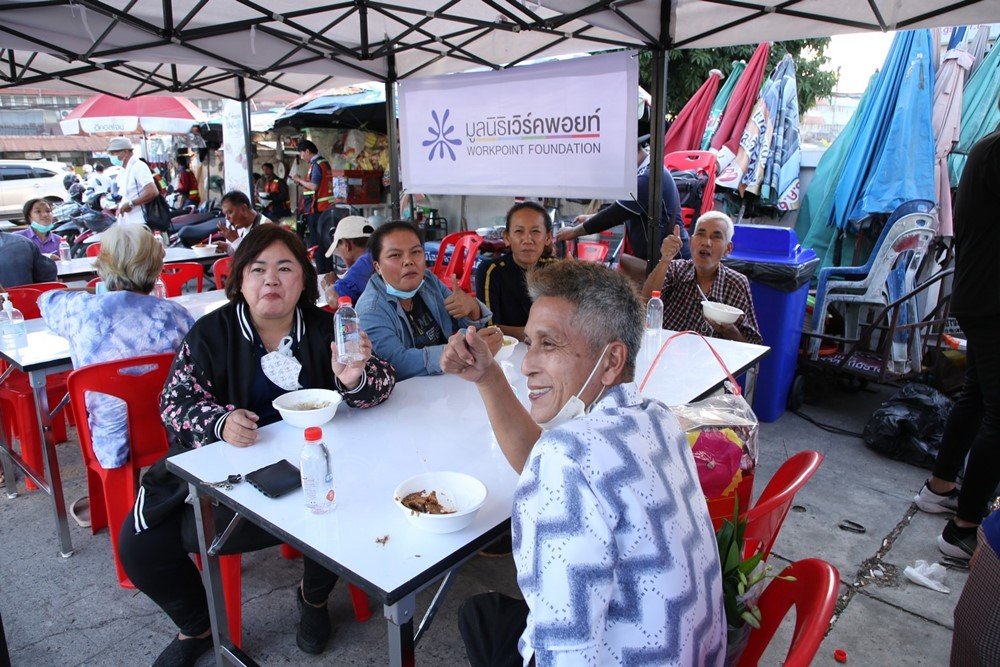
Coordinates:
[591,251]
[94,249]
[464,247]
[18,402]
[700,161]
[220,269]
[178,274]
[138,382]
[765,518]
[362,612]
[311,251]
[813,594]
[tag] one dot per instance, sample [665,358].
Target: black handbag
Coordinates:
[157,214]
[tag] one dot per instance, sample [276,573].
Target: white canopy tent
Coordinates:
[245,49]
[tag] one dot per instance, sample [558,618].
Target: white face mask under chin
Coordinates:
[575,407]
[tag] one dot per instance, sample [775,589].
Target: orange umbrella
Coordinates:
[686,131]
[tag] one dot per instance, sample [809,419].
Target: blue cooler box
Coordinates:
[779,270]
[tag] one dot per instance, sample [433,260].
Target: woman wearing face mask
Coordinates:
[38,213]
[408,313]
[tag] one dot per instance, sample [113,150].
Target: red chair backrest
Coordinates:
[138,382]
[46,287]
[463,259]
[591,251]
[221,271]
[700,161]
[765,518]
[94,249]
[176,275]
[312,252]
[446,243]
[25,299]
[814,596]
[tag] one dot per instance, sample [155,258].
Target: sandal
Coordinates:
[80,511]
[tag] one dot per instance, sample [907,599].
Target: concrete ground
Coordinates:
[71,612]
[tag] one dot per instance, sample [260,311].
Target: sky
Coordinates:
[857,56]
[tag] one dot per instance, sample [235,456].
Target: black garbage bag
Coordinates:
[909,426]
[784,277]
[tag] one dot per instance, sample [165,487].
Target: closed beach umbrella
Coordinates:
[687,129]
[767,164]
[894,147]
[719,105]
[947,125]
[738,108]
[980,115]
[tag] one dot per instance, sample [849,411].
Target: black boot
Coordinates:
[314,626]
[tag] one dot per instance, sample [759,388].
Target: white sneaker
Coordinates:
[934,503]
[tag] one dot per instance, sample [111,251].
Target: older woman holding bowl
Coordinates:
[408,312]
[234,362]
[38,214]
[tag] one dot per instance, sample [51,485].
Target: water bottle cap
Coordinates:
[656,294]
[314,433]
[344,301]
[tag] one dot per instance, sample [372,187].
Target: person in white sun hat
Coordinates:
[350,243]
[135,184]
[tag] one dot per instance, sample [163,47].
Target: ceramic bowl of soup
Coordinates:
[203,250]
[440,502]
[720,312]
[307,407]
[506,348]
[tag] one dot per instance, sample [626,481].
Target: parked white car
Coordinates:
[21,180]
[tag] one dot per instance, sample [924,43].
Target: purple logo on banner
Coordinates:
[439,140]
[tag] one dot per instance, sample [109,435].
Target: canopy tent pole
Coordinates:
[247,138]
[657,135]
[393,135]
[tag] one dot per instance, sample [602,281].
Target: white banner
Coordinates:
[234,148]
[559,129]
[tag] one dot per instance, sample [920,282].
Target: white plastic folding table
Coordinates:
[428,424]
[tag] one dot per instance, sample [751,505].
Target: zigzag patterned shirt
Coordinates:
[613,544]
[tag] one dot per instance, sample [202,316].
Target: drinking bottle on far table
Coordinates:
[317,480]
[159,289]
[64,252]
[654,312]
[347,329]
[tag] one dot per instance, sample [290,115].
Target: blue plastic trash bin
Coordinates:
[779,270]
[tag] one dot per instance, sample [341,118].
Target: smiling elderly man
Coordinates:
[613,544]
[685,283]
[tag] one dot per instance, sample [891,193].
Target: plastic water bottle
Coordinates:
[317,480]
[159,289]
[347,329]
[64,252]
[12,332]
[654,312]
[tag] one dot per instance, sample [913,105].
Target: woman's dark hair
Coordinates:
[257,241]
[28,205]
[375,240]
[531,206]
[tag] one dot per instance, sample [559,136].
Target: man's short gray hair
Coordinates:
[607,306]
[717,216]
[131,258]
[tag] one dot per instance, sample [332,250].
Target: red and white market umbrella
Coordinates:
[149,114]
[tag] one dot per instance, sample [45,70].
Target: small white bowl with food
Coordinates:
[204,250]
[720,312]
[506,348]
[307,407]
[440,502]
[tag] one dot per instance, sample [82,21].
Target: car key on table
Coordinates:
[227,483]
